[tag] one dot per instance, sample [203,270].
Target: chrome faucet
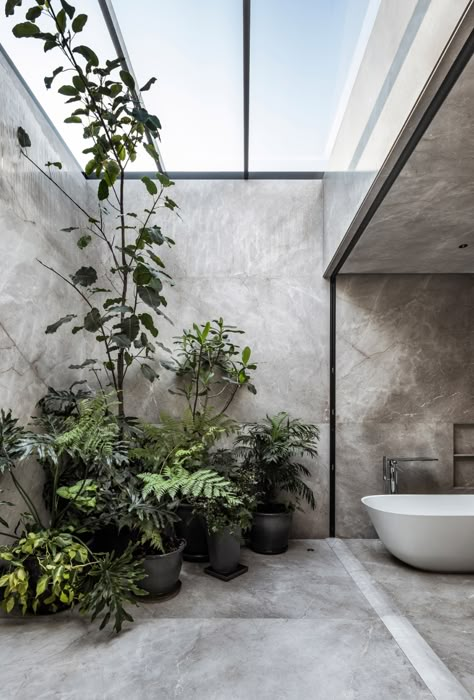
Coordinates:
[391,469]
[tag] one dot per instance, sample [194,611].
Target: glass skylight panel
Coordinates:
[34,64]
[301,54]
[194,49]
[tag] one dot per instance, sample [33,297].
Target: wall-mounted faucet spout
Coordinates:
[391,469]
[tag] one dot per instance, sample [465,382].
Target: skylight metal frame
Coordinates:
[120,46]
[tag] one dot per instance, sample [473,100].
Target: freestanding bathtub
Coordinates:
[432,532]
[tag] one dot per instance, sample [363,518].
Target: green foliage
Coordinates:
[11,436]
[234,516]
[93,435]
[44,571]
[178,481]
[270,449]
[211,367]
[111,583]
[82,493]
[115,128]
[49,570]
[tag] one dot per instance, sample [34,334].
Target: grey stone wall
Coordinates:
[405,376]
[32,212]
[251,252]
[248,251]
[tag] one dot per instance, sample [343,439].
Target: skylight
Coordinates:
[304,55]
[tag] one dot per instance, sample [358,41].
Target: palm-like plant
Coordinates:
[272,450]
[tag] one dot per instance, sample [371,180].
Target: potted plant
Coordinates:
[171,482]
[225,519]
[210,369]
[271,450]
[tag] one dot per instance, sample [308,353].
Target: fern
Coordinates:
[177,481]
[271,448]
[93,435]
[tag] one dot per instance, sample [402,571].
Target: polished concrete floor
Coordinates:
[296,626]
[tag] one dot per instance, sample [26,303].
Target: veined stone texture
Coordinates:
[405,376]
[250,252]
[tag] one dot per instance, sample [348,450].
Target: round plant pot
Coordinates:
[224,551]
[193,529]
[270,532]
[163,571]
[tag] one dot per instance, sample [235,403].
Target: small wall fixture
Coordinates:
[463,245]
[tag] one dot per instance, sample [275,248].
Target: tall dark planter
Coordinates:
[224,551]
[270,532]
[192,528]
[163,570]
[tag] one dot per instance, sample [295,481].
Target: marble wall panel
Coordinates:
[405,375]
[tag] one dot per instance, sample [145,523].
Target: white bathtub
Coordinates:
[435,533]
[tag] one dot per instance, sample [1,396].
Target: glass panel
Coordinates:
[194,48]
[303,55]
[33,64]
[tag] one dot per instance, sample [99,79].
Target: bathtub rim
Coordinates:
[371,500]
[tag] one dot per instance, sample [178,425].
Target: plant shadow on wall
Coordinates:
[127,498]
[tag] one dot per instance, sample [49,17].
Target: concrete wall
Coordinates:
[32,212]
[407,40]
[249,251]
[405,376]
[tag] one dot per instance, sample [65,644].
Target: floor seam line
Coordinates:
[439,680]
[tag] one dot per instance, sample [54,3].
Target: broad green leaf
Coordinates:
[33,13]
[73,120]
[88,54]
[142,275]
[10,7]
[68,91]
[79,23]
[246,352]
[41,585]
[164,180]
[84,241]
[23,138]
[79,83]
[148,372]
[150,185]
[121,340]
[130,327]
[92,321]
[54,326]
[149,296]
[90,167]
[103,190]
[127,79]
[61,21]
[25,29]
[69,9]
[147,322]
[85,276]
[148,85]
[112,171]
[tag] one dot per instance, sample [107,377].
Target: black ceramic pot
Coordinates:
[270,531]
[163,572]
[224,551]
[193,529]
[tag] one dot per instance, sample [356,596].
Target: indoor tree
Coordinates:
[121,309]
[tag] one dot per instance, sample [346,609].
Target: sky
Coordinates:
[304,57]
